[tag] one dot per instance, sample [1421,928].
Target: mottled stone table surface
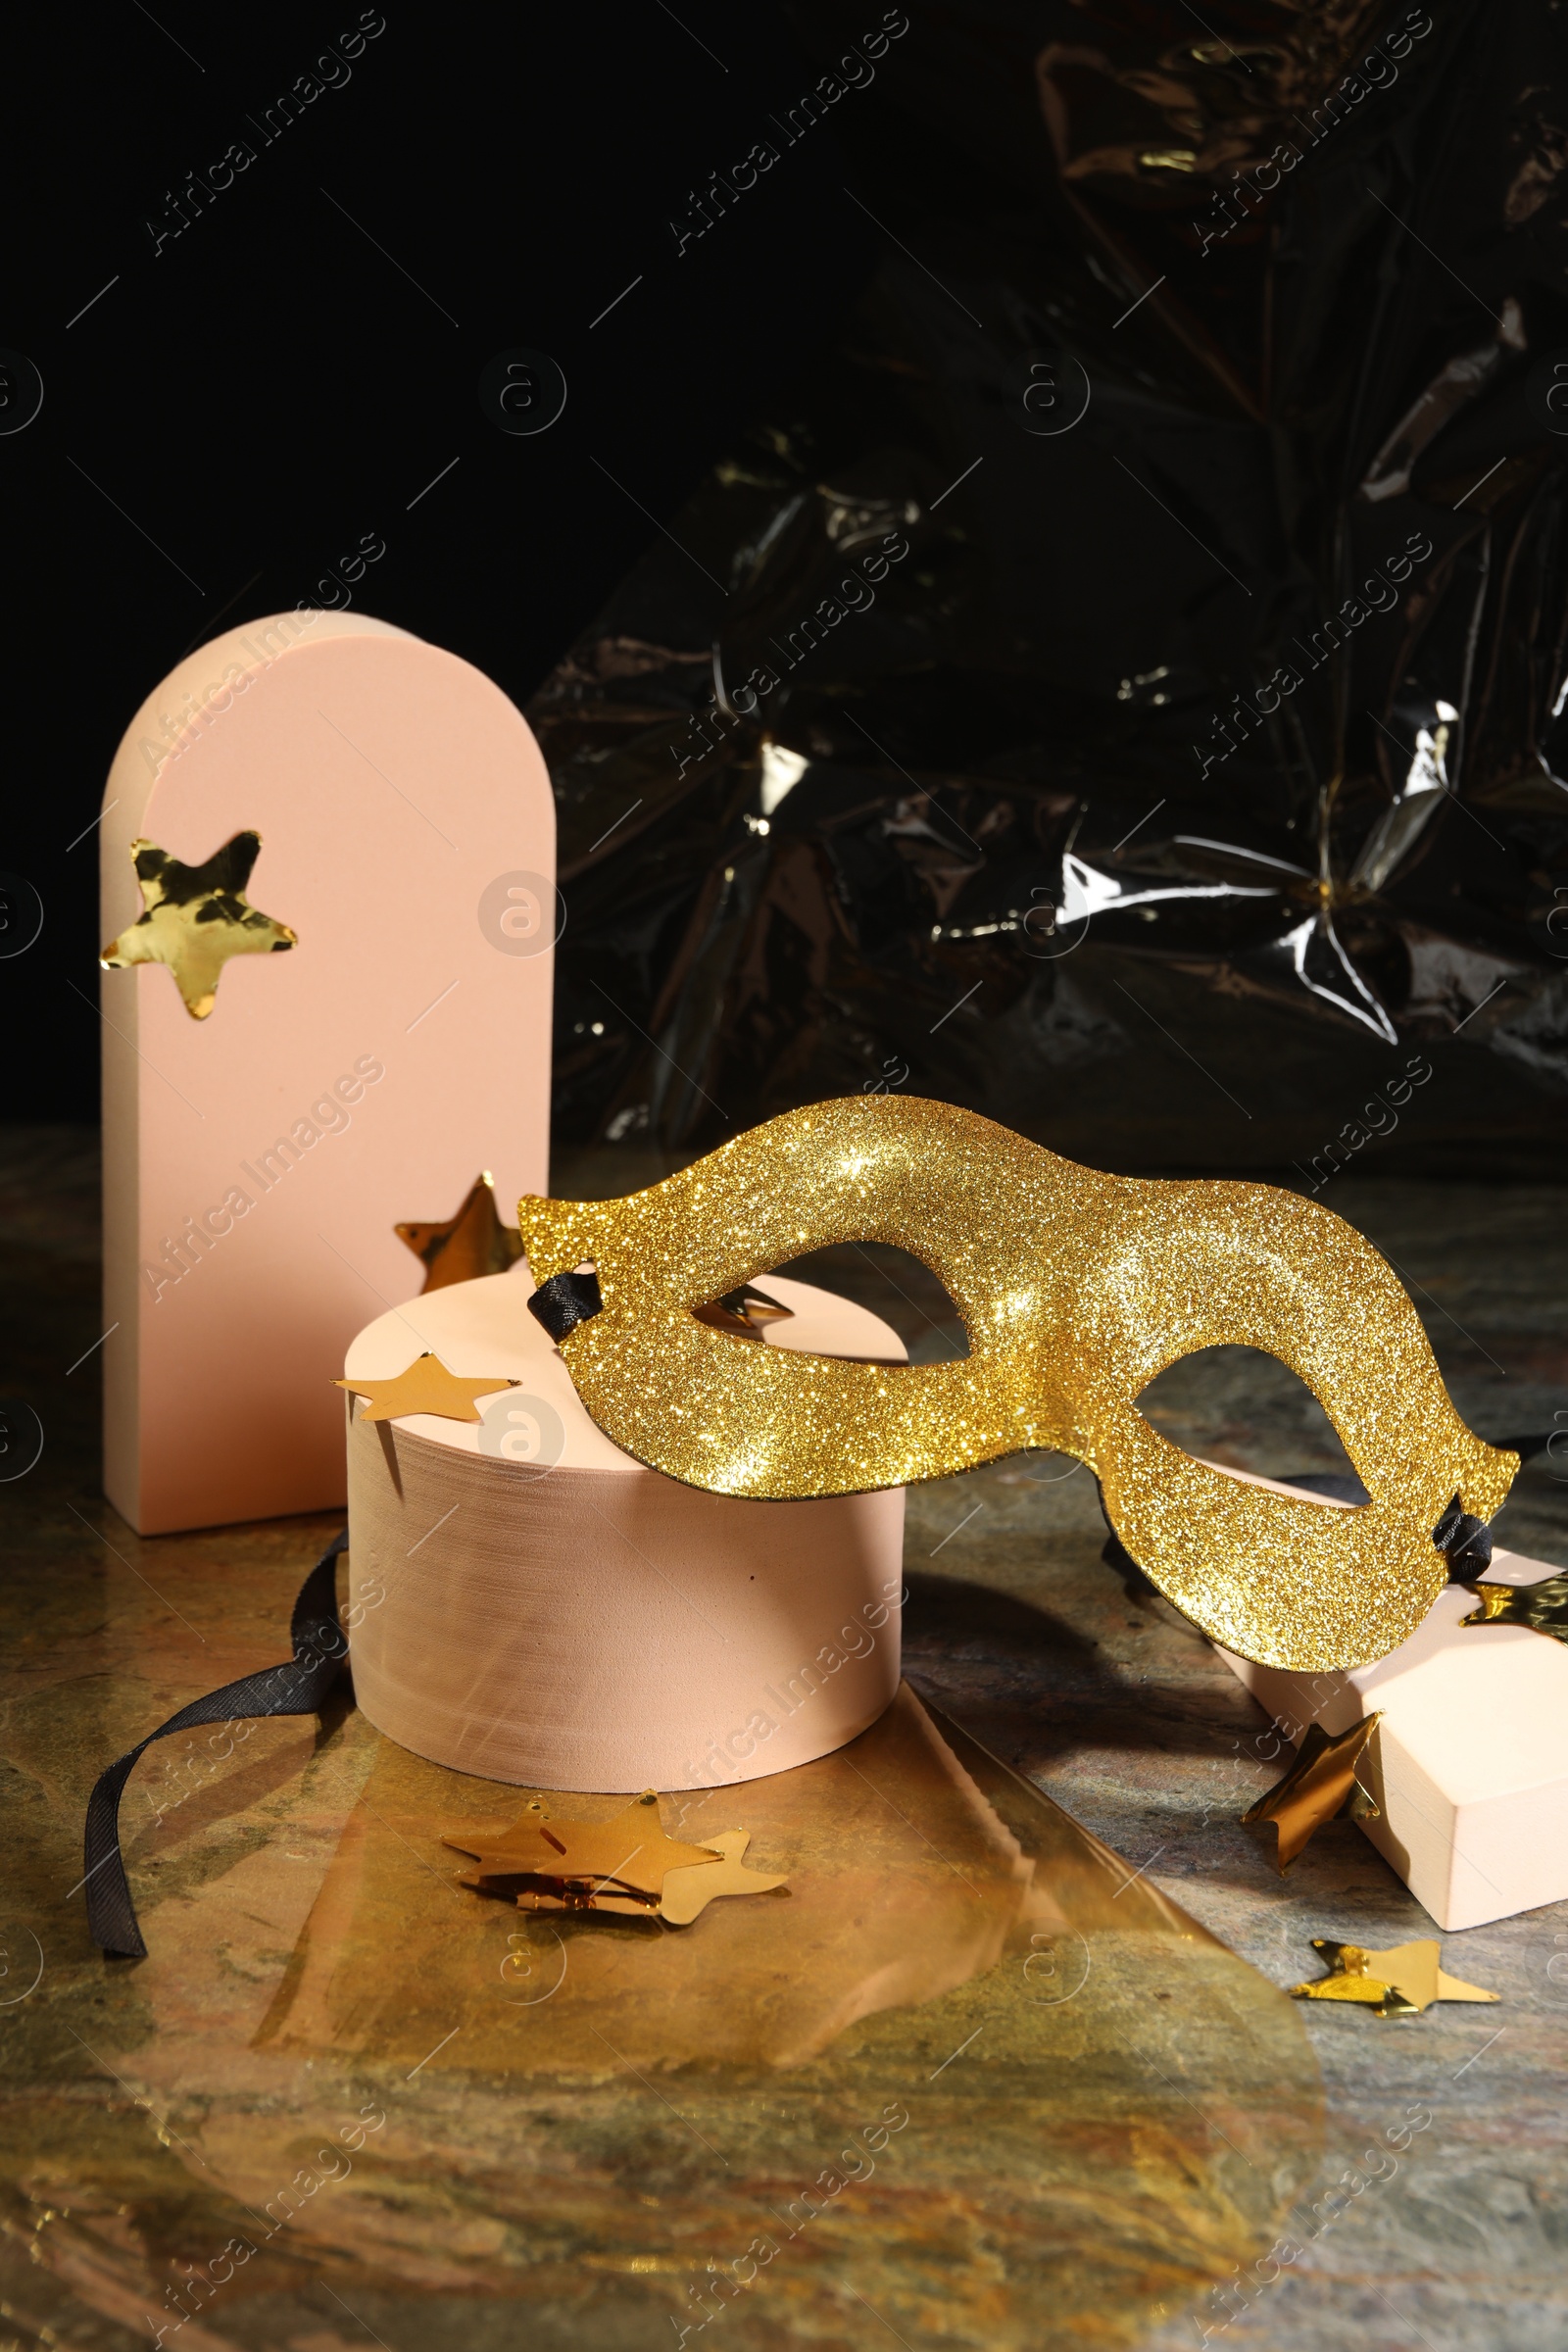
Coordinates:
[1107,1698]
[1445,2135]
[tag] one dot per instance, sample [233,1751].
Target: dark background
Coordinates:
[234,413]
[228,415]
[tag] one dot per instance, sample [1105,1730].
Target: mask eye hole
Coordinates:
[1245,1410]
[890,1282]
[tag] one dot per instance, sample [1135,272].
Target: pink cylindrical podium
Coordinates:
[530,1605]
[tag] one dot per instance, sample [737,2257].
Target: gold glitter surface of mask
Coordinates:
[1075,1290]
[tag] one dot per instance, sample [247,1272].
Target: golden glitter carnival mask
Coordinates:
[1075,1290]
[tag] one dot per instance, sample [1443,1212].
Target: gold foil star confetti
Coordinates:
[630,1849]
[1320,1786]
[195,917]
[424,1386]
[568,1894]
[1544,1607]
[1398,1983]
[625,1864]
[472,1243]
[688,1893]
[514,1846]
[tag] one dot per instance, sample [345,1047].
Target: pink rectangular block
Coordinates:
[257,1159]
[1469,1766]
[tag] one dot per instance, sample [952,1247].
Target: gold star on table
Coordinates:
[1321,1786]
[1544,1607]
[565,1894]
[630,1849]
[1398,1983]
[195,917]
[424,1386]
[472,1243]
[528,1858]
[688,1893]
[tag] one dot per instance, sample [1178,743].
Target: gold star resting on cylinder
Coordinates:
[1075,1289]
[424,1386]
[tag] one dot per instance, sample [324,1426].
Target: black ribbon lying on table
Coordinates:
[295,1688]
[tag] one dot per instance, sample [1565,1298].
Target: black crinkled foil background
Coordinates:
[977,841]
